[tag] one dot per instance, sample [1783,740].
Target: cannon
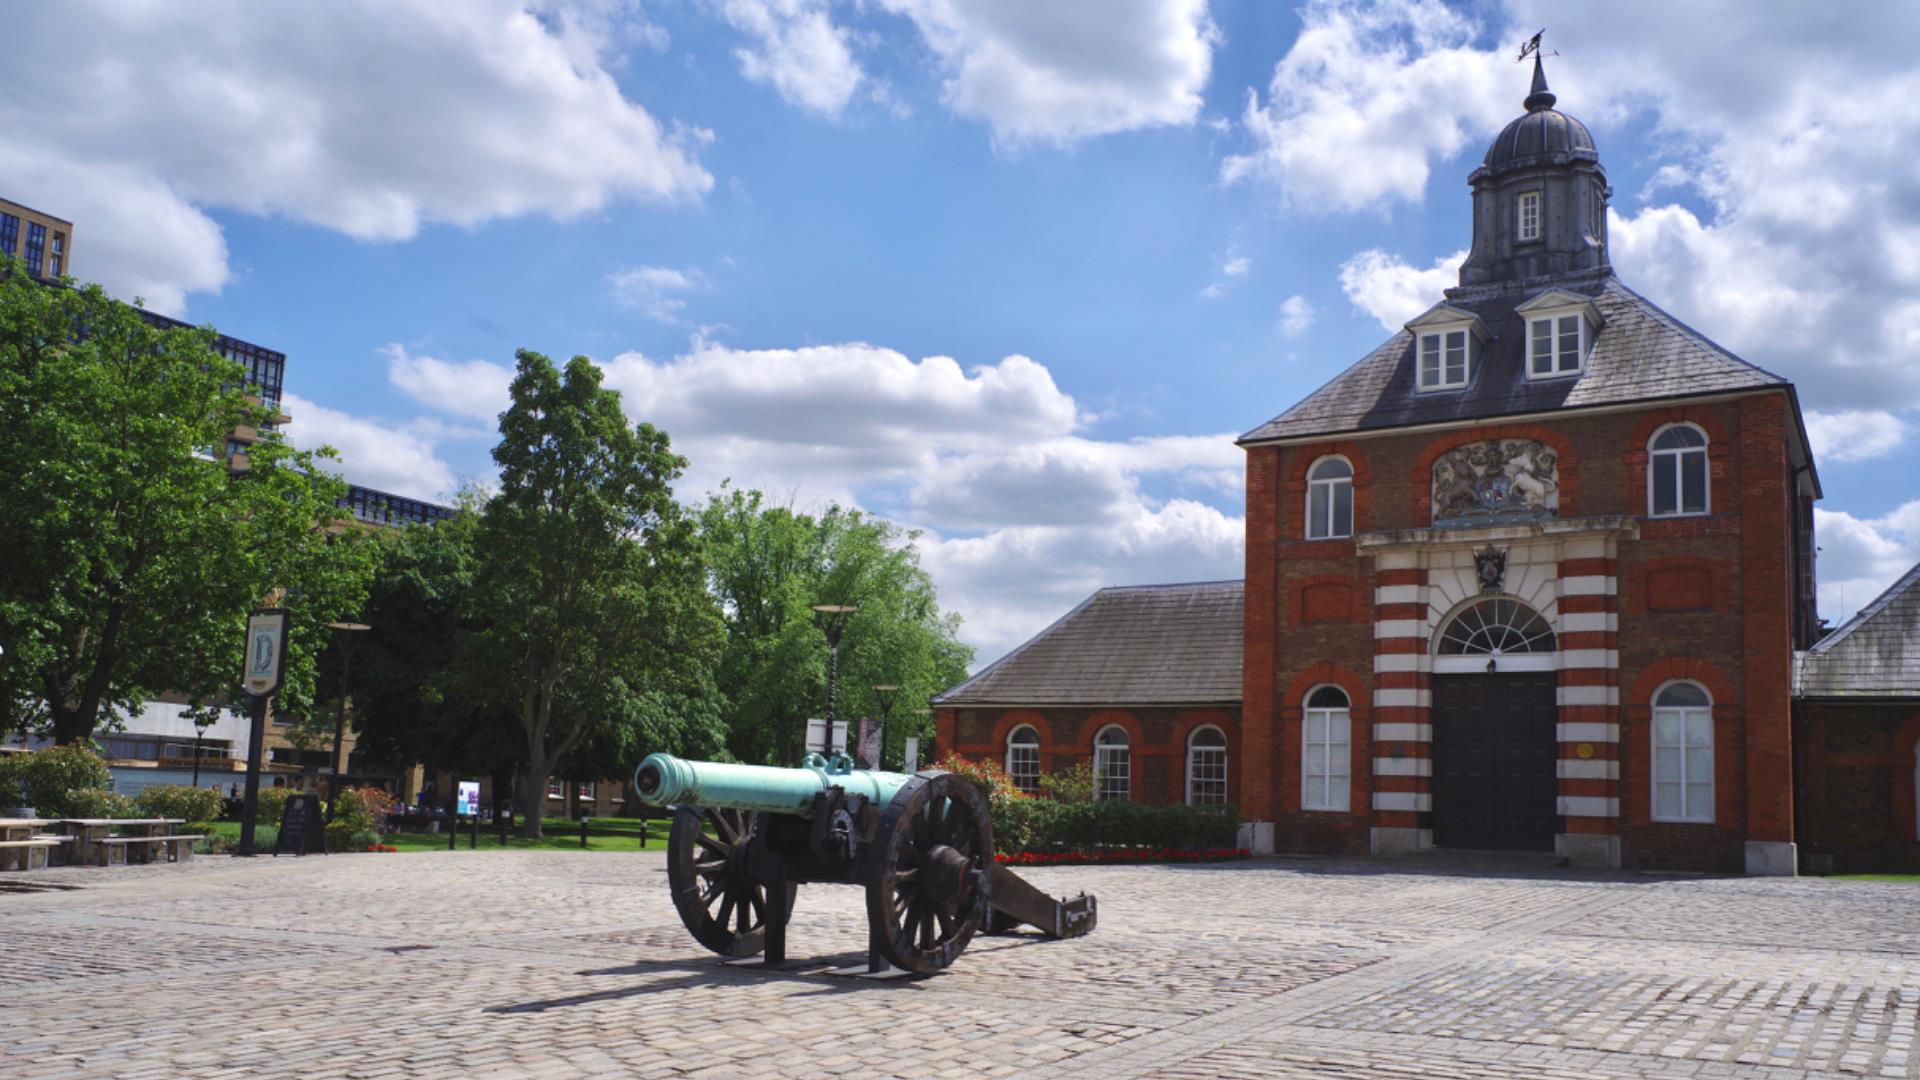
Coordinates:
[744,838]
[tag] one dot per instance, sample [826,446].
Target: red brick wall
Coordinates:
[1158,738]
[1856,792]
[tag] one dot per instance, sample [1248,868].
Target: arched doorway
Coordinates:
[1494,728]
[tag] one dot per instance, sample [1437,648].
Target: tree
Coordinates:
[769,566]
[132,557]
[589,591]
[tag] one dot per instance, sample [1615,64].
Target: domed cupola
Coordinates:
[1539,197]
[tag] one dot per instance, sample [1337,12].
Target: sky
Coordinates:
[1013,275]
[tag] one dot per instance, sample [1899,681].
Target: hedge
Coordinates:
[61,781]
[1039,825]
[180,801]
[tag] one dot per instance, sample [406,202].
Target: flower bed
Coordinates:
[381,847]
[1123,855]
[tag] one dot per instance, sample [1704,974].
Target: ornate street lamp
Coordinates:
[201,723]
[346,639]
[833,621]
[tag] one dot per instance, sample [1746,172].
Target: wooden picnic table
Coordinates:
[20,828]
[21,846]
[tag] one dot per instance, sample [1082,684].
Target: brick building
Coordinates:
[1530,575]
[1857,738]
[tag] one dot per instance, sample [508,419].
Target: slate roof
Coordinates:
[1640,354]
[1127,645]
[1874,654]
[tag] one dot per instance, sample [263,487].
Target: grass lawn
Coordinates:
[1910,879]
[604,834]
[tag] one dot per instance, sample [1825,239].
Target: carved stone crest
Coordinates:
[1490,566]
[1496,481]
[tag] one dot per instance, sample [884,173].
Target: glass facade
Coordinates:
[36,247]
[381,508]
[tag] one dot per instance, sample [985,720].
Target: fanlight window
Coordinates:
[1496,628]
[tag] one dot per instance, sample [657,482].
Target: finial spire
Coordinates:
[1540,97]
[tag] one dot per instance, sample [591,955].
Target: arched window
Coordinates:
[1329,499]
[1496,627]
[1325,763]
[1677,472]
[1023,758]
[1207,767]
[1682,753]
[1112,763]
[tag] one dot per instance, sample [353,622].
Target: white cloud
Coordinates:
[1021,506]
[1296,315]
[1060,73]
[373,454]
[1860,557]
[1393,292]
[654,289]
[797,50]
[365,118]
[1854,434]
[1234,268]
[475,389]
[1365,100]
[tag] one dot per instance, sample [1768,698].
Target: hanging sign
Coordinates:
[266,651]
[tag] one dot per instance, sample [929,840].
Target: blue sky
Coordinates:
[1137,228]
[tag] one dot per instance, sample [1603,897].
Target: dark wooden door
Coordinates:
[1494,746]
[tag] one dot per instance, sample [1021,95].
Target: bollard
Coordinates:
[473,841]
[583,830]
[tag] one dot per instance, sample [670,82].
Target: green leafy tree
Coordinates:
[132,557]
[589,591]
[769,566]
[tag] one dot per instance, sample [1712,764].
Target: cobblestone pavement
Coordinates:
[511,964]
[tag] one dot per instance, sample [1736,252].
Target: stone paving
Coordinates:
[513,964]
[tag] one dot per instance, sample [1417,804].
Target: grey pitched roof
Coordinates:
[1127,645]
[1640,354]
[1874,654]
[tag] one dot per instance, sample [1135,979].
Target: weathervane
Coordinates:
[1531,47]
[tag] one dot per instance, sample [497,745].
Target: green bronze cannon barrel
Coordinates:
[663,780]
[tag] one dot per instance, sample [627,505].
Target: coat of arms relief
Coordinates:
[1499,481]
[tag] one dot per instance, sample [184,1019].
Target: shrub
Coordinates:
[180,801]
[364,808]
[265,837]
[93,803]
[272,801]
[54,778]
[1073,784]
[1048,825]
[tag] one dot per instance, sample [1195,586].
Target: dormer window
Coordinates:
[1443,360]
[1560,329]
[1528,212]
[1447,343]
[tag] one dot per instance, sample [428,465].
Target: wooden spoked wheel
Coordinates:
[707,870]
[931,873]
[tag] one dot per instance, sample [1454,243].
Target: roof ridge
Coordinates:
[1866,613]
[1169,585]
[1018,649]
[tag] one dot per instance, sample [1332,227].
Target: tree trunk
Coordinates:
[534,783]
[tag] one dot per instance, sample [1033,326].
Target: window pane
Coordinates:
[1318,500]
[1666,800]
[1316,759]
[1699,728]
[1327,697]
[1336,794]
[1693,481]
[1666,727]
[1700,802]
[1430,360]
[1666,764]
[1337,727]
[1331,468]
[1681,693]
[1542,347]
[1665,499]
[1699,765]
[1342,509]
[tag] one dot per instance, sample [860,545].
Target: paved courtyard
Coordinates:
[483,964]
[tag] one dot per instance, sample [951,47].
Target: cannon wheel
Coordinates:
[931,872]
[707,870]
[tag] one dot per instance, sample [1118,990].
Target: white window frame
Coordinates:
[1193,753]
[1690,814]
[1527,200]
[1033,784]
[1437,342]
[1332,487]
[1558,354]
[1103,770]
[1325,802]
[1654,458]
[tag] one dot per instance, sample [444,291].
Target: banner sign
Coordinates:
[868,754]
[912,763]
[467,802]
[266,651]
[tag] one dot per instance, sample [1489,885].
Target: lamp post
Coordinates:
[200,725]
[346,639]
[833,621]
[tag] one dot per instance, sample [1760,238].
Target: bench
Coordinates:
[26,854]
[177,848]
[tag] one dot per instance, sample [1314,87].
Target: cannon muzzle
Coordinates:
[665,780]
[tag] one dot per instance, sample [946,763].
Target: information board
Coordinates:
[302,829]
[467,802]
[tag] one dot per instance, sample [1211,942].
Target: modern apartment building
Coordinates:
[41,241]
